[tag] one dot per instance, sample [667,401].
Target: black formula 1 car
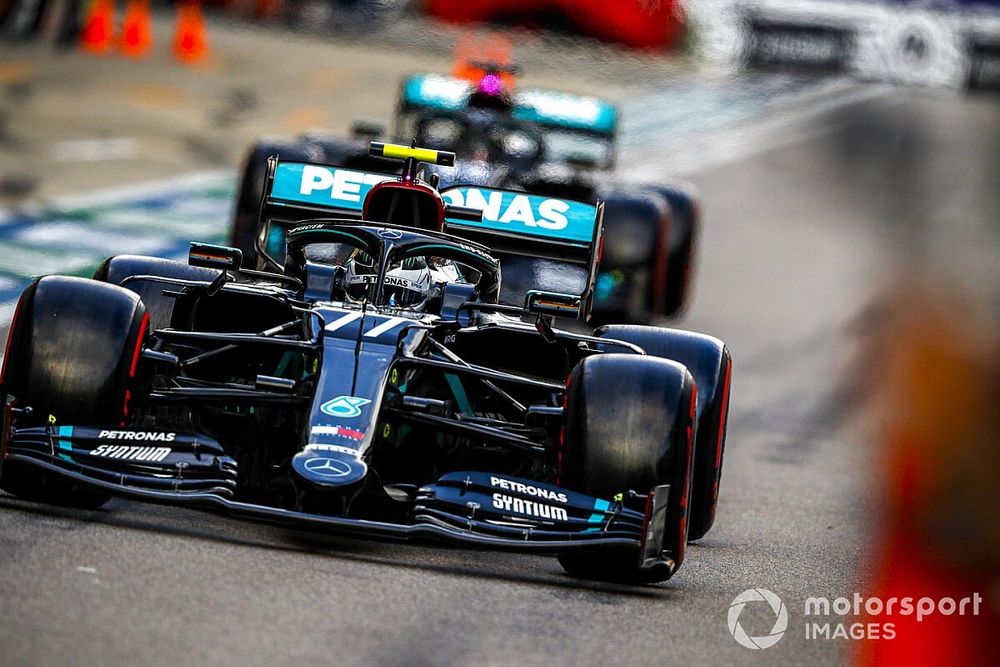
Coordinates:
[538,141]
[373,381]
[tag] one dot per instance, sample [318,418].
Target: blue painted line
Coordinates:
[75,238]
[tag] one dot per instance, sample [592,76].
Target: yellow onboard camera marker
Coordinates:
[403,152]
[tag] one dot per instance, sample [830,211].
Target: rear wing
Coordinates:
[548,247]
[549,108]
[297,191]
[300,187]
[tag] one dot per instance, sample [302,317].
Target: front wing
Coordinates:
[473,509]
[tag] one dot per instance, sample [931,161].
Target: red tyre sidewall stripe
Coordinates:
[135,362]
[688,456]
[562,433]
[723,412]
[10,339]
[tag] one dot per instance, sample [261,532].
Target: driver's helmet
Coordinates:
[408,284]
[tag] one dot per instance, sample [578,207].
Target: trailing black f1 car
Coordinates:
[538,141]
[376,379]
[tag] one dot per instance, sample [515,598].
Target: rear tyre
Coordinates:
[633,272]
[71,358]
[682,245]
[629,428]
[710,363]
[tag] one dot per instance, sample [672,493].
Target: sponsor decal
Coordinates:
[130,453]
[390,281]
[338,431]
[344,406]
[528,507]
[527,489]
[526,213]
[326,186]
[506,207]
[322,466]
[857,618]
[390,234]
[309,228]
[147,436]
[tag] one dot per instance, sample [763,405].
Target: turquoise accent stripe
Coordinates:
[436,91]
[275,239]
[459,391]
[573,112]
[600,507]
[65,444]
[329,187]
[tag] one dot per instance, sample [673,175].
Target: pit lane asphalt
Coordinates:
[796,244]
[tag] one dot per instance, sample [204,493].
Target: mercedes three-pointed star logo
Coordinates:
[326,467]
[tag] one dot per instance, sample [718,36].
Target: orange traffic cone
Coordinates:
[137,29]
[98,32]
[191,38]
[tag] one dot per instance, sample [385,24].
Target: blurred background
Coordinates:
[847,159]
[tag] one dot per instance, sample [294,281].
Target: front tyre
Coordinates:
[71,358]
[629,427]
[709,361]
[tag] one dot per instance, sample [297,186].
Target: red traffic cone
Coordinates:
[137,29]
[98,32]
[190,38]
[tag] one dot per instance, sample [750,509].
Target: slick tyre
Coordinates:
[633,273]
[125,270]
[683,245]
[710,363]
[71,358]
[629,428]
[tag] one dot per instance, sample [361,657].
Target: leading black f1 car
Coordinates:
[375,380]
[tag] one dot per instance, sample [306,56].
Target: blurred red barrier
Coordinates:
[938,538]
[640,24]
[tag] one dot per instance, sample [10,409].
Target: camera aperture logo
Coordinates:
[853,618]
[780,620]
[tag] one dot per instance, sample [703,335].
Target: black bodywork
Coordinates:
[285,394]
[261,401]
